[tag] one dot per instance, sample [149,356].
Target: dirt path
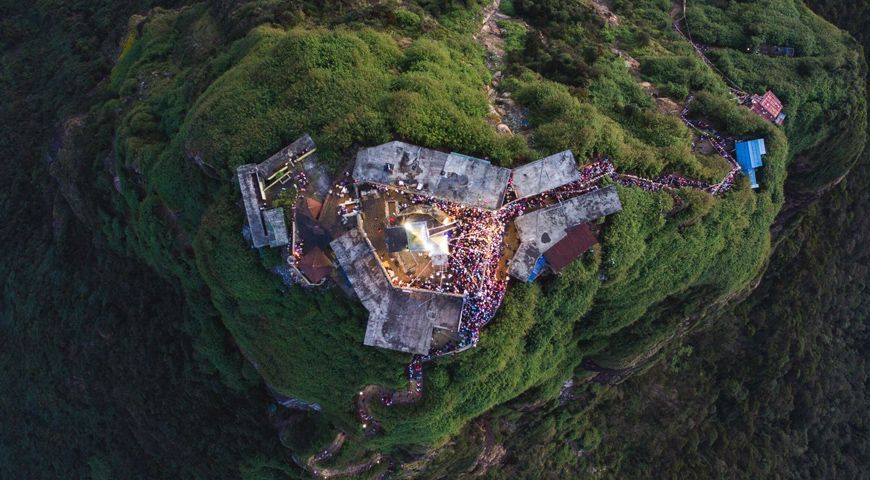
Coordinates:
[491,35]
[678,9]
[492,452]
[604,8]
[348,471]
[372,394]
[330,452]
[678,15]
[504,114]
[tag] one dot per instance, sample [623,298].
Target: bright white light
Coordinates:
[438,245]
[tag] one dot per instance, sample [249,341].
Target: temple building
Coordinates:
[416,233]
[260,185]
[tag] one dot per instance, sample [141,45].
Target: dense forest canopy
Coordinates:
[138,327]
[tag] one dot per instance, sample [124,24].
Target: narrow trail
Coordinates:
[678,14]
[378,393]
[604,9]
[330,452]
[491,454]
[349,471]
[504,115]
[491,36]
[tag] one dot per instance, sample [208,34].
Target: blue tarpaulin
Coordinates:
[536,270]
[749,157]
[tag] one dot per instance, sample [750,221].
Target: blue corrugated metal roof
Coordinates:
[749,153]
[753,181]
[749,157]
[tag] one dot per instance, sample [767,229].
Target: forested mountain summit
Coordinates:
[156,110]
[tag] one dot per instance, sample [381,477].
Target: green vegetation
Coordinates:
[355,87]
[358,86]
[773,387]
[825,116]
[515,36]
[162,320]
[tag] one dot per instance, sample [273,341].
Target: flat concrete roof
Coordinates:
[400,320]
[276,227]
[453,177]
[409,319]
[545,174]
[362,268]
[249,183]
[288,154]
[541,229]
[254,177]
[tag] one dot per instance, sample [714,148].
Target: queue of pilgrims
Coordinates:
[477,242]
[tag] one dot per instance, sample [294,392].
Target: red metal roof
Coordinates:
[310,207]
[314,206]
[767,105]
[578,240]
[315,265]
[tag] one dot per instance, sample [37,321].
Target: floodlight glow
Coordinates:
[418,236]
[438,245]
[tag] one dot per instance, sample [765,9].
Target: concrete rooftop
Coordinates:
[254,178]
[452,177]
[249,183]
[400,320]
[545,174]
[276,227]
[288,154]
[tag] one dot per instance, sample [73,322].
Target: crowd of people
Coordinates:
[300,179]
[478,240]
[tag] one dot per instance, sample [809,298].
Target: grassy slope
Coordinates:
[183,91]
